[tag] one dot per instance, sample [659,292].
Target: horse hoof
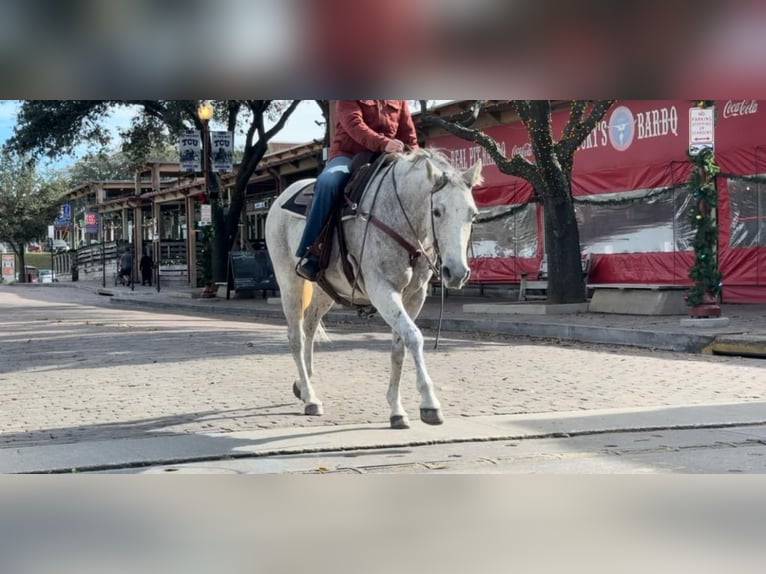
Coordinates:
[296,391]
[399,422]
[313,410]
[431,416]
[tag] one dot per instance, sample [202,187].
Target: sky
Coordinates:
[301,127]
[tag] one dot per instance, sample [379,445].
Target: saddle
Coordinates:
[363,167]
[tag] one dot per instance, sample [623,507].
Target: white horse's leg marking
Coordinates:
[391,308]
[399,418]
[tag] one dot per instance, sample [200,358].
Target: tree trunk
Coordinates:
[562,247]
[221,244]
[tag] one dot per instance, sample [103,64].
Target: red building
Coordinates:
[631,202]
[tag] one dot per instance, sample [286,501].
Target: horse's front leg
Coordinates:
[399,418]
[390,306]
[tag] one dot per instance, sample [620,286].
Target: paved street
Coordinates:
[75,368]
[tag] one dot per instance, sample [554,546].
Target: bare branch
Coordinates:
[575,116]
[517,165]
[283,118]
[568,145]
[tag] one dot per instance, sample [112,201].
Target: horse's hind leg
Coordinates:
[320,304]
[293,308]
[399,418]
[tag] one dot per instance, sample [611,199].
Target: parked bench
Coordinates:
[638,298]
[539,287]
[642,286]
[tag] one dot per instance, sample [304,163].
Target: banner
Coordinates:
[9,266]
[222,151]
[190,150]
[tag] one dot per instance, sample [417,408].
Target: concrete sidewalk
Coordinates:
[745,335]
[258,448]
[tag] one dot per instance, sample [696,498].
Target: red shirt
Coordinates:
[363,125]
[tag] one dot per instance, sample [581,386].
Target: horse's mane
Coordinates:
[435,155]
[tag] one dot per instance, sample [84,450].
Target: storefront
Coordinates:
[631,201]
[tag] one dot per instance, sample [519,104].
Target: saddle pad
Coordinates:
[300,202]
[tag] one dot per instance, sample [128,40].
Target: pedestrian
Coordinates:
[146,265]
[126,266]
[378,126]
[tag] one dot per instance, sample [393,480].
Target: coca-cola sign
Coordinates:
[734,108]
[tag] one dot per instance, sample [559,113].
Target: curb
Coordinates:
[737,345]
[666,341]
[148,451]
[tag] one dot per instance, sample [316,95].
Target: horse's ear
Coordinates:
[472,176]
[430,170]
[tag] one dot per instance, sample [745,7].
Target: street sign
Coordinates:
[222,151]
[9,266]
[701,129]
[205,214]
[190,150]
[91,222]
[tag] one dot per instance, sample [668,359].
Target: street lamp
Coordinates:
[205,112]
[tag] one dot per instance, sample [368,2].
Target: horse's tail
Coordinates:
[306,295]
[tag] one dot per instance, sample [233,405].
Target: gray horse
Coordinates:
[427,203]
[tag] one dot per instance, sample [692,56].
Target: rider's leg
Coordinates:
[327,191]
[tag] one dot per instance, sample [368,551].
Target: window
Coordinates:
[513,235]
[658,224]
[747,202]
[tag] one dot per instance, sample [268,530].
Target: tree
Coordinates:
[28,203]
[56,127]
[550,176]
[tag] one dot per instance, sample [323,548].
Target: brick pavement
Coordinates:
[74,368]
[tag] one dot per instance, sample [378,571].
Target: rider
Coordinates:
[361,125]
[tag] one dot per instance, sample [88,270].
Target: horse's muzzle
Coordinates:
[455,280]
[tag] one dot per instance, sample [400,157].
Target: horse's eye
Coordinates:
[437,212]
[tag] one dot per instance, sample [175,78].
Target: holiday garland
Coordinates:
[704,271]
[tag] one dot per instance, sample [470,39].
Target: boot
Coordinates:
[308,267]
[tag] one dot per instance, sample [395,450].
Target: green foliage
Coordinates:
[206,261]
[28,200]
[704,271]
[56,127]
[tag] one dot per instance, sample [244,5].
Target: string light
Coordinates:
[704,271]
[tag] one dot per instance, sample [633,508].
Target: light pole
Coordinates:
[205,112]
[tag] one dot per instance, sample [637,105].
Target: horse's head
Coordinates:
[452,213]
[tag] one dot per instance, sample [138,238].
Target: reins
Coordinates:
[413,252]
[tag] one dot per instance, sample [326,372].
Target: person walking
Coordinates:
[146,265]
[126,266]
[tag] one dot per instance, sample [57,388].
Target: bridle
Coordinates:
[414,251]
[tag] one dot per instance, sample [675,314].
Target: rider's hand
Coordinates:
[394,146]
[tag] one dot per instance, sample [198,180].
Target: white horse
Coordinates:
[427,203]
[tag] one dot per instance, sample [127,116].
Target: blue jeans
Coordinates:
[327,192]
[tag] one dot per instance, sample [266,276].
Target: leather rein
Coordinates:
[414,252]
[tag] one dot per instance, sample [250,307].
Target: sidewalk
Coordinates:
[670,431]
[745,335]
